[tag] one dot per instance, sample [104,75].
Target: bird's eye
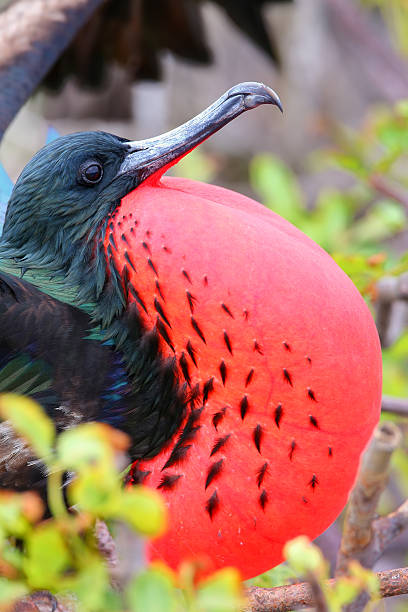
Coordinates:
[90,172]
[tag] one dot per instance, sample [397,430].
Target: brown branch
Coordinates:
[391,288]
[385,530]
[320,603]
[363,540]
[107,548]
[362,506]
[32,36]
[300,596]
[395,405]
[392,293]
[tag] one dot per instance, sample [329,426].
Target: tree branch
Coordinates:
[300,596]
[392,291]
[364,539]
[32,36]
[362,506]
[396,405]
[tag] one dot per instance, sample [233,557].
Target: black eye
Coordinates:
[90,172]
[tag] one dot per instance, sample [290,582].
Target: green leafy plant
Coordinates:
[61,553]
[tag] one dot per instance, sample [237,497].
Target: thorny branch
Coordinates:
[32,37]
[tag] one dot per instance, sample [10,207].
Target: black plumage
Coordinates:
[134,34]
[47,352]
[70,336]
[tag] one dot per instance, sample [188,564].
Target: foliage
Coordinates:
[307,560]
[61,553]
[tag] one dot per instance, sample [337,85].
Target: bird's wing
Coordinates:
[134,34]
[46,353]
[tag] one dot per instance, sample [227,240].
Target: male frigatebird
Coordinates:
[241,361]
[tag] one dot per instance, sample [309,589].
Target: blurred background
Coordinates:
[335,164]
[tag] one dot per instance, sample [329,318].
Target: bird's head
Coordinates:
[71,187]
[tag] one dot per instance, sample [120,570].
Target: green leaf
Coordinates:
[12,519]
[394,136]
[85,445]
[47,557]
[151,591]
[97,490]
[92,588]
[277,186]
[304,557]
[342,593]
[277,576]
[29,420]
[144,510]
[221,592]
[346,161]
[10,591]
[327,223]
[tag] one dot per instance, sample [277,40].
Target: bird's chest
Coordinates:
[249,313]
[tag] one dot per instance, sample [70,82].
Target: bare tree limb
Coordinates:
[391,307]
[300,596]
[361,541]
[396,405]
[391,288]
[362,506]
[32,36]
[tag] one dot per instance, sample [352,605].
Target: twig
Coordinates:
[396,405]
[32,36]
[385,530]
[300,596]
[361,541]
[107,548]
[318,597]
[391,288]
[392,292]
[124,552]
[362,507]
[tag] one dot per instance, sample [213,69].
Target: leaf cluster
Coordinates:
[60,553]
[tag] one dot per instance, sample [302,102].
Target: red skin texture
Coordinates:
[307,318]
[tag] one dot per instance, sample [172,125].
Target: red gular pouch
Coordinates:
[279,355]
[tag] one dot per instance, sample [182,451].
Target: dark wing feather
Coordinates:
[50,351]
[133,34]
[45,353]
[247,15]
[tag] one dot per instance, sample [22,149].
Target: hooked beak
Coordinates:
[147,157]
